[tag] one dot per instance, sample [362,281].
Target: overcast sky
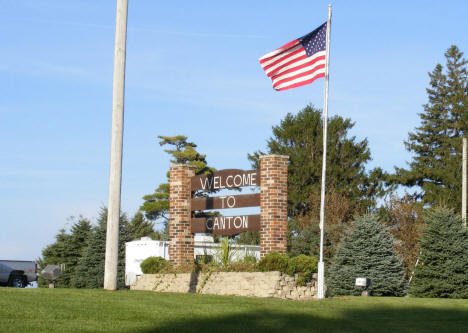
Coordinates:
[192,69]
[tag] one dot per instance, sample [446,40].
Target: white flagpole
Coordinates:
[321,265]
[115,177]
[464,182]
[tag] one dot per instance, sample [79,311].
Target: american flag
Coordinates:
[299,62]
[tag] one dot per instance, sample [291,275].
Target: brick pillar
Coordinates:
[180,235]
[273,203]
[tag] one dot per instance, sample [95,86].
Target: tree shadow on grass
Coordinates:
[382,319]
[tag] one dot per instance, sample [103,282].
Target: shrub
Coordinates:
[443,268]
[185,267]
[304,266]
[153,265]
[241,266]
[226,252]
[249,260]
[367,250]
[273,261]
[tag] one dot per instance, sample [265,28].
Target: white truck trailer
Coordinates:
[17,273]
[138,250]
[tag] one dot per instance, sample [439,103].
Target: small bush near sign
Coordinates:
[273,261]
[303,265]
[250,260]
[153,265]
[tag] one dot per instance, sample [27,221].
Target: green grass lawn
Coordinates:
[72,310]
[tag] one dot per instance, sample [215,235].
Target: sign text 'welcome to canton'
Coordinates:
[226,179]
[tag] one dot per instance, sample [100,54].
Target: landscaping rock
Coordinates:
[257,284]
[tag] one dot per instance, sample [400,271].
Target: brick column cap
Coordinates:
[274,155]
[188,166]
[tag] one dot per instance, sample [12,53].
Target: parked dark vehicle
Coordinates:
[17,273]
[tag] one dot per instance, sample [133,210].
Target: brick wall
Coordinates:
[273,203]
[180,235]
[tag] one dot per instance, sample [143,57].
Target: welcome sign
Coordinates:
[228,178]
[225,179]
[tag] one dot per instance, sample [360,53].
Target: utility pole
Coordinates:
[115,174]
[464,183]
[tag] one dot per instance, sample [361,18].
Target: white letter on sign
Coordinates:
[246,179]
[231,201]
[207,184]
[222,201]
[228,218]
[237,218]
[254,181]
[216,182]
[222,224]
[227,181]
[209,224]
[240,180]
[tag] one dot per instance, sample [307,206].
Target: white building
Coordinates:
[138,250]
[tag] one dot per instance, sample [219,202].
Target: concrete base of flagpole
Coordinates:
[321,280]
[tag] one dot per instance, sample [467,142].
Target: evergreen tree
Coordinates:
[90,271]
[350,189]
[443,268]
[66,252]
[156,205]
[301,138]
[436,143]
[304,238]
[367,250]
[249,238]
[57,253]
[140,227]
[80,232]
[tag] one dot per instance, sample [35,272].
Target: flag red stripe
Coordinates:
[283,57]
[316,68]
[276,70]
[284,48]
[298,84]
[309,63]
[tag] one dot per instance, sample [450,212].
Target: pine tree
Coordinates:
[443,268]
[249,238]
[57,253]
[156,205]
[367,250]
[78,241]
[140,227]
[351,190]
[90,271]
[65,252]
[300,137]
[436,143]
